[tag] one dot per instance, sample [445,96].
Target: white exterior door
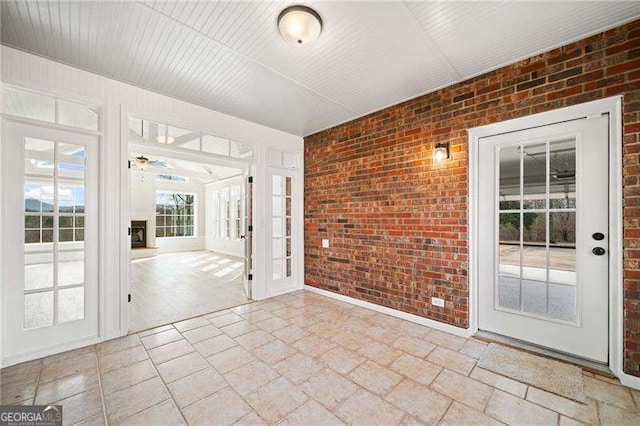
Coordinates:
[51,239]
[543,236]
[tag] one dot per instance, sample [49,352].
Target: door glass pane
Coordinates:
[277,227]
[534,159]
[278,248]
[562,174]
[537,243]
[70,268]
[38,309]
[509,194]
[534,247]
[38,196]
[38,271]
[38,156]
[277,206]
[71,160]
[277,185]
[277,269]
[288,267]
[70,304]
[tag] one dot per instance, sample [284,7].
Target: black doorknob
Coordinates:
[598,251]
[242,237]
[598,236]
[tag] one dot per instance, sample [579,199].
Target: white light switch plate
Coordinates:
[436,301]
[325,243]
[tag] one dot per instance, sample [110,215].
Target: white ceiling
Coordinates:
[228,56]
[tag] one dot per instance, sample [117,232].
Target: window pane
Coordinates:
[535,176]
[534,297]
[562,248]
[71,160]
[183,138]
[562,174]
[278,248]
[70,198]
[78,115]
[509,292]
[65,235]
[38,309]
[29,105]
[240,150]
[31,222]
[288,186]
[534,251]
[509,178]
[215,145]
[38,197]
[38,271]
[277,227]
[277,206]
[70,268]
[562,302]
[38,156]
[277,185]
[288,267]
[70,304]
[278,269]
[288,247]
[65,221]
[288,206]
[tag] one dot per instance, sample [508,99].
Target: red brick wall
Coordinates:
[397,221]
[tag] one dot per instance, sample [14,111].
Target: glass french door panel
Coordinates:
[38,310]
[38,156]
[278,269]
[562,302]
[534,297]
[509,292]
[38,271]
[509,190]
[534,246]
[562,174]
[70,304]
[534,179]
[70,268]
[71,160]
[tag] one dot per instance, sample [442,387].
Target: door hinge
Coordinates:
[129,166]
[250,228]
[250,179]
[129,298]
[129,231]
[250,277]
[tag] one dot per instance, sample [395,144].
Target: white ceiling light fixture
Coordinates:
[299,25]
[165,140]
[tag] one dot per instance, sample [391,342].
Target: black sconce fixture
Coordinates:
[442,151]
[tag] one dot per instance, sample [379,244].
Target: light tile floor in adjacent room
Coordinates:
[298,359]
[173,286]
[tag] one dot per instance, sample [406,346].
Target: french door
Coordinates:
[543,236]
[247,193]
[50,208]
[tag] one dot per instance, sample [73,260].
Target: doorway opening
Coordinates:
[190,216]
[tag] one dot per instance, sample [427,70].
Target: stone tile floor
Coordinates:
[299,359]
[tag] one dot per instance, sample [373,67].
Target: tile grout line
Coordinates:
[104,405]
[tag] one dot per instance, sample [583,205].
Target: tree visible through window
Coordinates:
[175,214]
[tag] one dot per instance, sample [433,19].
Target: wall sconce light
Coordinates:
[442,151]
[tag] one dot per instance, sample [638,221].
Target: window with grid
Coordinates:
[175,214]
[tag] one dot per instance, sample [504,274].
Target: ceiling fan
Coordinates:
[141,162]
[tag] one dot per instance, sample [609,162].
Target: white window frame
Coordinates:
[195,213]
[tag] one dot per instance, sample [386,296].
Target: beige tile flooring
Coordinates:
[299,359]
[173,286]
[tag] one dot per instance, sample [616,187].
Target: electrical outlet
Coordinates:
[325,243]
[436,301]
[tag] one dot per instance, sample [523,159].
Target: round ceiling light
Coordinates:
[299,25]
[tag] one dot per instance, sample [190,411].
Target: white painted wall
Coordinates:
[117,101]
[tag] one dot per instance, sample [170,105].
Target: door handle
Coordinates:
[242,237]
[598,251]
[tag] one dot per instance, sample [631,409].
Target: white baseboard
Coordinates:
[282,291]
[447,328]
[53,350]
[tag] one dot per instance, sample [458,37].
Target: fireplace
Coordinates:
[138,233]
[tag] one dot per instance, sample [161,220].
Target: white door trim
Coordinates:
[613,107]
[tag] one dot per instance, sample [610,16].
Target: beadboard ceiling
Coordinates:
[228,56]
